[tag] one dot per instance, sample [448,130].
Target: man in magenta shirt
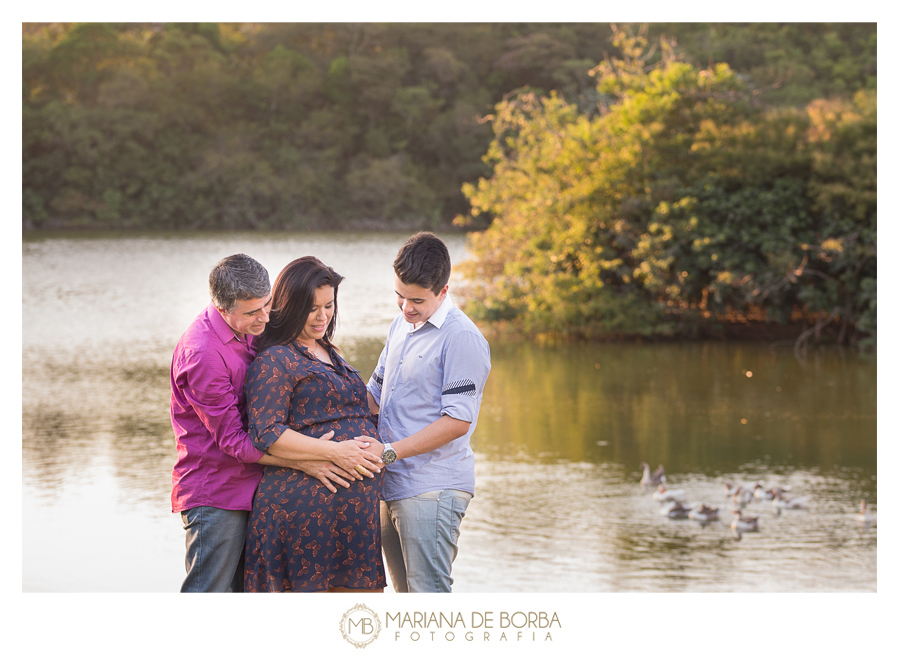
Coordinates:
[218,469]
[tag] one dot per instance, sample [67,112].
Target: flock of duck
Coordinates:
[672,502]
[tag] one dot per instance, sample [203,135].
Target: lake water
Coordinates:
[561,435]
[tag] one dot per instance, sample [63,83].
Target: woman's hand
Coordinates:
[327,473]
[355,456]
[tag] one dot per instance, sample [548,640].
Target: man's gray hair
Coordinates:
[235,278]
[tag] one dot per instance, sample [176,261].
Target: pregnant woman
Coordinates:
[302,537]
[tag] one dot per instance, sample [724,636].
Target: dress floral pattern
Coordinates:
[301,537]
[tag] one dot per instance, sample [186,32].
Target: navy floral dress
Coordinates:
[301,537]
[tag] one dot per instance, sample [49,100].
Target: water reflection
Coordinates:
[681,405]
[561,433]
[563,430]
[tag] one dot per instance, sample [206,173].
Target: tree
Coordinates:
[687,204]
[168,125]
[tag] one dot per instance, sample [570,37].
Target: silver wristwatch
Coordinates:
[389,455]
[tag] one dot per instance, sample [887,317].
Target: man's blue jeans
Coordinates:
[419,538]
[215,549]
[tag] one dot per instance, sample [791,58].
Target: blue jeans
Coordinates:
[419,538]
[215,549]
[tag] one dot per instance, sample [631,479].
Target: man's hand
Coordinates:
[375,446]
[327,472]
[356,456]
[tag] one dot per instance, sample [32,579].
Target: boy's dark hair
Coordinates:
[423,261]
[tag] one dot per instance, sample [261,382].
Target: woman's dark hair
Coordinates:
[423,261]
[292,302]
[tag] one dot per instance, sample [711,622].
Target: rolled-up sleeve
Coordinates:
[269,389]
[467,363]
[207,387]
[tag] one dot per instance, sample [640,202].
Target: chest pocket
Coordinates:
[426,369]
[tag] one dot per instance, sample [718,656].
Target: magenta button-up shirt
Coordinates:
[216,463]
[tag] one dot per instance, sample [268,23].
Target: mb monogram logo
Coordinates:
[360,626]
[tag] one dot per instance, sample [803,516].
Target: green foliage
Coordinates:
[794,62]
[296,125]
[685,204]
[630,186]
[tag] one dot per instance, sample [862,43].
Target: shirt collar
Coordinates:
[222,328]
[437,318]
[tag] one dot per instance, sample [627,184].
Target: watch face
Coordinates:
[389,456]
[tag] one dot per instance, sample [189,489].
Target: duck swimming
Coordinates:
[664,495]
[865,516]
[741,496]
[675,510]
[652,479]
[780,501]
[741,523]
[761,493]
[704,513]
[731,489]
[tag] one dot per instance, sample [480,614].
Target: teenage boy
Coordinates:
[427,390]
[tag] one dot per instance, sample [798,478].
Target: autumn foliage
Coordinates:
[685,206]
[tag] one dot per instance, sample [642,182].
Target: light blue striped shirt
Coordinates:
[422,374]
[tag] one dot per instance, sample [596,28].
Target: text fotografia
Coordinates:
[479,626]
